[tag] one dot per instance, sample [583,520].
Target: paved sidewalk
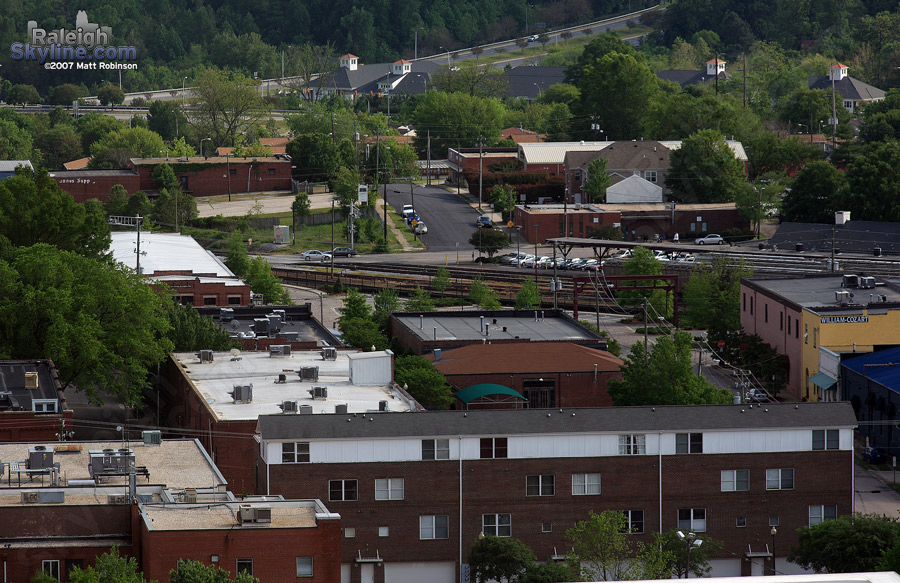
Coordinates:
[873,495]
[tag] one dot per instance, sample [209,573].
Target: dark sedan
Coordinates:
[344,252]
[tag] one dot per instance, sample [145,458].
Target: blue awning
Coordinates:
[822,381]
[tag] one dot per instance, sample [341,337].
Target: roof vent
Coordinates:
[308,373]
[382,405]
[850,281]
[242,393]
[152,437]
[841,296]
[288,406]
[867,282]
[31,380]
[319,392]
[306,409]
[190,495]
[329,353]
[280,350]
[341,409]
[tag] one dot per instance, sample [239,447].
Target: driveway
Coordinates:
[450,220]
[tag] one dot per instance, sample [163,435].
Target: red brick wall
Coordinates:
[553,224]
[274,550]
[573,389]
[214,179]
[190,288]
[28,426]
[89,186]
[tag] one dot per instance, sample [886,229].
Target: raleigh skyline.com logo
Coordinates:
[85,47]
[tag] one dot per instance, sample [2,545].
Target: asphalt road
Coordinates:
[450,220]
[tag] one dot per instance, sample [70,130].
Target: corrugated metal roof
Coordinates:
[555,152]
[736,147]
[11,165]
[559,421]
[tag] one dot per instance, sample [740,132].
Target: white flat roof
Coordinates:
[166,252]
[215,380]
[872,577]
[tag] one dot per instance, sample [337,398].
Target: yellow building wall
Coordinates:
[880,328]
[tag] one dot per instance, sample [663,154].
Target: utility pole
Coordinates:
[228,171]
[332,235]
[833,116]
[428,166]
[134,221]
[480,170]
[644,307]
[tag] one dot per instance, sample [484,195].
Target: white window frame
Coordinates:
[499,525]
[689,446]
[694,523]
[733,479]
[543,485]
[439,449]
[775,479]
[48,566]
[45,405]
[830,439]
[292,452]
[631,521]
[431,525]
[818,514]
[344,484]
[384,531]
[650,175]
[305,566]
[389,488]
[586,484]
[632,444]
[349,532]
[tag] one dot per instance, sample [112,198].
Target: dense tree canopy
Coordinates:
[704,169]
[456,120]
[850,544]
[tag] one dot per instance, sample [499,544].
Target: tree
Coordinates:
[643,262]
[502,559]
[387,301]
[560,93]
[308,63]
[65,94]
[190,331]
[164,177]
[59,145]
[456,119]
[110,95]
[34,209]
[663,376]
[489,241]
[420,301]
[315,157]
[851,544]
[599,47]
[345,186]
[874,179]
[174,208]
[598,180]
[354,307]
[704,169]
[116,201]
[677,554]
[441,280]
[816,194]
[261,281]
[114,150]
[529,296]
[503,198]
[300,207]
[225,103]
[484,296]
[166,119]
[190,571]
[101,323]
[549,572]
[109,567]
[712,295]
[608,232]
[471,79]
[94,126]
[602,550]
[425,383]
[22,95]
[15,142]
[631,82]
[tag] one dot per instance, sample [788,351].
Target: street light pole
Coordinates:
[692,542]
[773,532]
[201,145]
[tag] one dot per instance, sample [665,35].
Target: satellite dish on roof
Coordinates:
[235,352]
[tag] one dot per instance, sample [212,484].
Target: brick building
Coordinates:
[208,397]
[547,221]
[68,502]
[416,490]
[32,404]
[196,276]
[546,374]
[422,333]
[462,161]
[87,184]
[219,175]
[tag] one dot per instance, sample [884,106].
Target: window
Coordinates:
[349,532]
[271,172]
[389,489]
[774,521]
[692,519]
[650,175]
[815,336]
[383,531]
[435,449]
[781,479]
[72,563]
[848,104]
[578,176]
[232,172]
[304,566]
[781,320]
[50,567]
[820,512]
[789,325]
[635,520]
[342,490]
[209,300]
[735,480]
[740,522]
[295,452]
[44,405]
[765,312]
[493,447]
[496,524]
[540,485]
[585,484]
[245,566]
[546,527]
[745,295]
[688,443]
[825,439]
[751,305]
[633,444]
[434,527]
[234,300]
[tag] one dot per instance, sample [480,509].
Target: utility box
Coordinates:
[282,234]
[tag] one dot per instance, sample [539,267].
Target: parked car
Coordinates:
[315,255]
[344,252]
[757,396]
[710,240]
[420,228]
[874,455]
[484,221]
[407,210]
[522,258]
[412,217]
[574,263]
[533,38]
[587,264]
[507,259]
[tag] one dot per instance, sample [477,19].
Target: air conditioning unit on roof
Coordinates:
[319,392]
[288,406]
[242,393]
[152,437]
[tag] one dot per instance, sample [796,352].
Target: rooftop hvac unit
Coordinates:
[308,373]
[205,355]
[341,409]
[190,495]
[319,392]
[242,393]
[261,326]
[117,499]
[280,350]
[274,322]
[288,406]
[329,353]
[31,497]
[281,313]
[111,462]
[382,406]
[152,437]
[867,282]
[850,281]
[40,457]
[306,409]
[31,380]
[255,514]
[282,378]
[290,336]
[841,296]
[226,314]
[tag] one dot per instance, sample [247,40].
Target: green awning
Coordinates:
[469,394]
[822,381]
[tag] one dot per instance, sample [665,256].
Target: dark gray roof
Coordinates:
[366,77]
[555,421]
[14,395]
[528,81]
[685,78]
[848,88]
[91,172]
[816,292]
[851,237]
